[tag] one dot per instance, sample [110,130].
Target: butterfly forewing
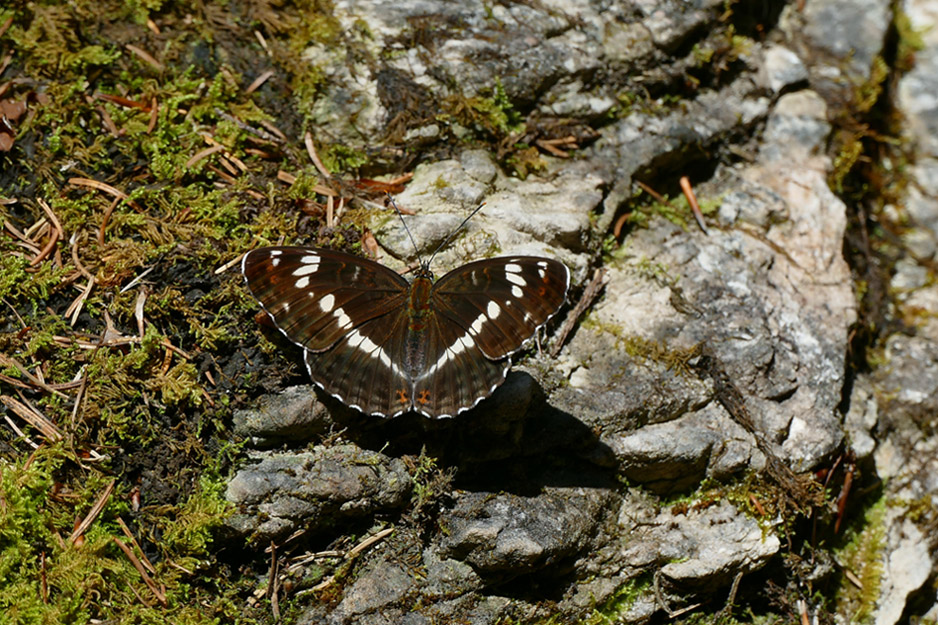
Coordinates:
[316,297]
[500,302]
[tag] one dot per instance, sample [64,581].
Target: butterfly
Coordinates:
[386,346]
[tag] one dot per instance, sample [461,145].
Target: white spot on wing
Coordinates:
[275,261]
[362,342]
[345,321]
[515,279]
[305,270]
[276,252]
[493,310]
[476,326]
[302,283]
[326,303]
[310,259]
[462,344]
[513,268]
[516,292]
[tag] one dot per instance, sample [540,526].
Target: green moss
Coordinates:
[341,158]
[20,282]
[191,531]
[51,44]
[676,210]
[620,602]
[645,349]
[863,555]
[526,160]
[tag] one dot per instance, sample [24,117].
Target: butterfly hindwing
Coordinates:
[457,374]
[500,302]
[361,368]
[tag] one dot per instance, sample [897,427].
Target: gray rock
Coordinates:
[673,456]
[907,568]
[911,378]
[671,23]
[641,139]
[376,589]
[295,415]
[503,536]
[782,68]
[313,491]
[909,275]
[519,217]
[711,546]
[922,200]
[917,93]
[851,31]
[861,418]
[767,293]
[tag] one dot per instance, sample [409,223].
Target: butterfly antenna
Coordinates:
[454,232]
[406,229]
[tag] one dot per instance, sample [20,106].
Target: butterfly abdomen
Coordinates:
[418,316]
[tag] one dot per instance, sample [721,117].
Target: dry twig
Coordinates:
[93,513]
[8,361]
[692,200]
[157,592]
[352,554]
[145,57]
[592,291]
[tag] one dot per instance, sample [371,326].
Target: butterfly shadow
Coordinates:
[514,441]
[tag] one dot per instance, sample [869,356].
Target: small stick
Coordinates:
[93,513]
[146,562]
[80,397]
[231,263]
[108,122]
[143,573]
[138,309]
[590,294]
[54,237]
[692,200]
[350,556]
[144,56]
[314,156]
[105,218]
[20,432]
[75,307]
[154,115]
[260,80]
[257,34]
[7,361]
[198,156]
[100,186]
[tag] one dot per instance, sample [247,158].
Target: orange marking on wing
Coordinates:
[402,396]
[424,397]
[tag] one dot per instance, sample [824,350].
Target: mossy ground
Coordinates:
[138,375]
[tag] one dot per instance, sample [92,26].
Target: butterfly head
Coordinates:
[423,271]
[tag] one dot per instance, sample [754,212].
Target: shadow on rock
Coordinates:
[514,441]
